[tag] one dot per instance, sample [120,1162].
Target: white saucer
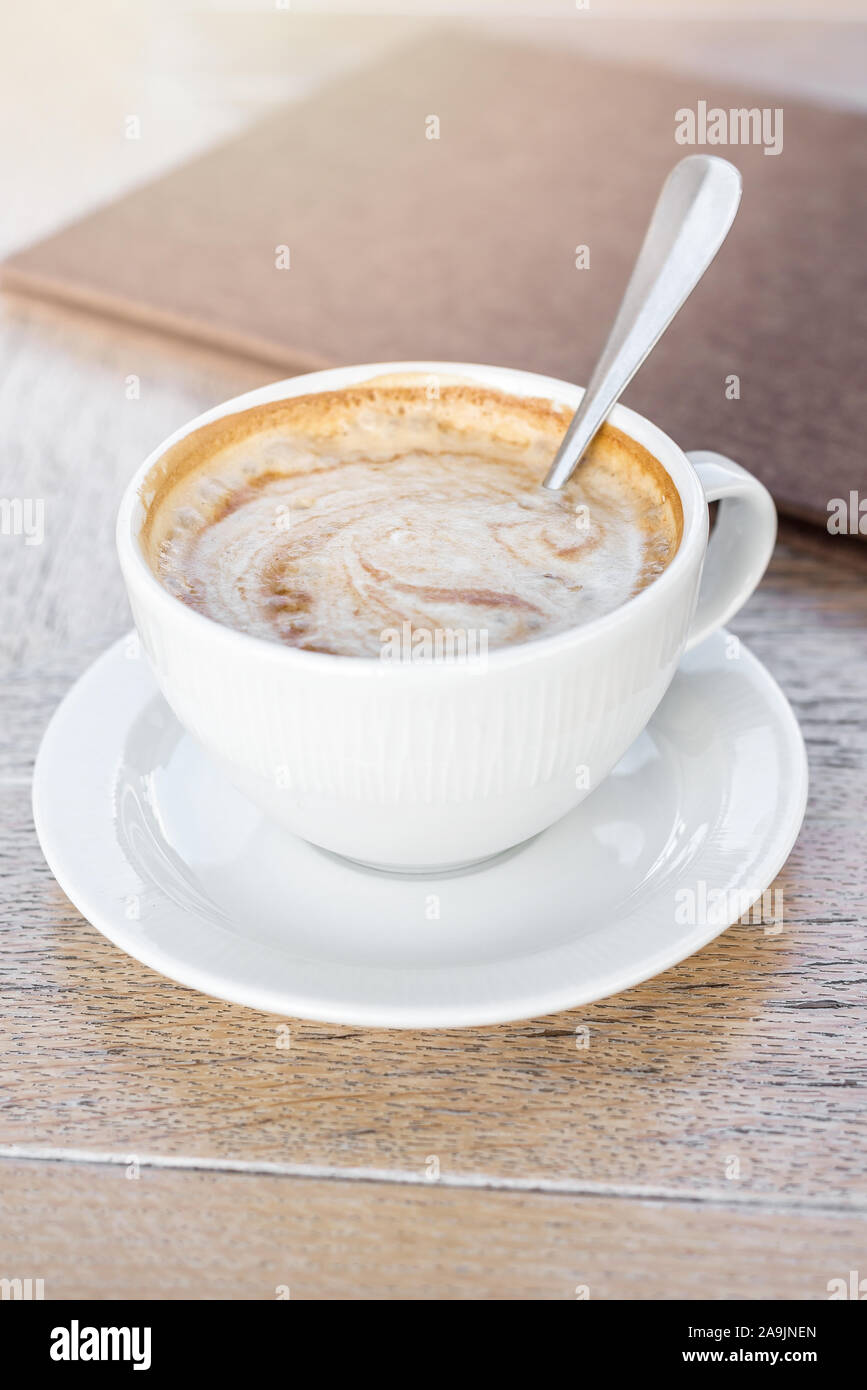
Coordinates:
[173,865]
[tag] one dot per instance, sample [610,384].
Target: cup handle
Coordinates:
[740,545]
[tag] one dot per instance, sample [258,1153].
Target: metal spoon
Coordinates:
[695,209]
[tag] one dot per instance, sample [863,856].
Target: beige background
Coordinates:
[195,73]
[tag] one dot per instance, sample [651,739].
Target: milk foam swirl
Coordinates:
[406,513]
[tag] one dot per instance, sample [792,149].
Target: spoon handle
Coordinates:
[695,209]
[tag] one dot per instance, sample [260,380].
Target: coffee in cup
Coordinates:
[329,521]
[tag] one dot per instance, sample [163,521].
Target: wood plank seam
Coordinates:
[563,1187]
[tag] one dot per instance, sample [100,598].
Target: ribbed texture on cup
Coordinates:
[519,741]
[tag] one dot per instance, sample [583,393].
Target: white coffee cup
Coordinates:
[423,766]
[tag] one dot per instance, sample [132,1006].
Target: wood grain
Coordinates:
[94,1232]
[71,437]
[553,1158]
[745,1052]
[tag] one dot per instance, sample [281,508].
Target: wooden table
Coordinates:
[154,1142]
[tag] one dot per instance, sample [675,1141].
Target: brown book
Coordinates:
[464,247]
